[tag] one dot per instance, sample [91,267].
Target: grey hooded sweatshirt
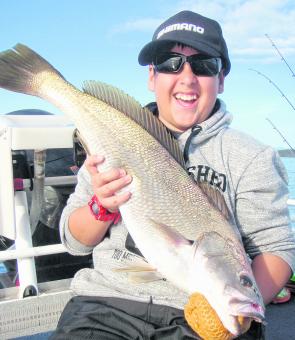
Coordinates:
[250,176]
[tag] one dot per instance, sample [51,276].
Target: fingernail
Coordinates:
[99,158]
[128,178]
[122,172]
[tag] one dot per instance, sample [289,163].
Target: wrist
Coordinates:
[100,213]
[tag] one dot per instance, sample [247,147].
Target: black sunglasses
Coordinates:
[201,65]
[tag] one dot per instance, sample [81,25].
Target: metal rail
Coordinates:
[11,254]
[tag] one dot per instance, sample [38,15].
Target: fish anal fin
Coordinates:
[136,268]
[144,277]
[140,273]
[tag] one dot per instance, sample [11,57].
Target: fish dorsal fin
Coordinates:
[215,198]
[142,116]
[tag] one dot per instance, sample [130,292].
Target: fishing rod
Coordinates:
[272,82]
[275,85]
[279,132]
[280,54]
[285,97]
[278,89]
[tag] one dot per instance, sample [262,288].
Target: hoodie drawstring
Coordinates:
[195,131]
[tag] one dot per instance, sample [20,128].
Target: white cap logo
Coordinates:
[181,27]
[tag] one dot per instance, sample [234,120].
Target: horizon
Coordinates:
[93,40]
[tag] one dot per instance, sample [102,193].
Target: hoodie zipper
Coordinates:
[195,131]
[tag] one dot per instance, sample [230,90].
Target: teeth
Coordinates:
[187,97]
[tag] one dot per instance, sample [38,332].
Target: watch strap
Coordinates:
[100,213]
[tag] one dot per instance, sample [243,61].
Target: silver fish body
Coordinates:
[172,221]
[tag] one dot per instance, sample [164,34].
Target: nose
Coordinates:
[186,75]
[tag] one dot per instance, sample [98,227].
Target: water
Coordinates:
[289,163]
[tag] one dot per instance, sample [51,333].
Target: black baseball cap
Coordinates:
[190,29]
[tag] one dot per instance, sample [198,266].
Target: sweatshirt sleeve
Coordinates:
[261,208]
[78,198]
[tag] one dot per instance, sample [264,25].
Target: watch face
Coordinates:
[95,208]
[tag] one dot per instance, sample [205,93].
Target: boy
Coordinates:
[188,61]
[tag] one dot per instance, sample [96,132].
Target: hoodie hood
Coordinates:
[200,133]
[217,122]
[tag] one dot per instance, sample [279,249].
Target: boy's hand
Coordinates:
[106,184]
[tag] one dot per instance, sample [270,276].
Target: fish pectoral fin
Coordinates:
[144,277]
[170,234]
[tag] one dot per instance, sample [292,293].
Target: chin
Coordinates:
[183,126]
[186,121]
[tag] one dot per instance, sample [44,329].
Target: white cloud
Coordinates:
[247,25]
[144,24]
[244,24]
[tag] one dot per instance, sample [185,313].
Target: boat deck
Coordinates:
[281,321]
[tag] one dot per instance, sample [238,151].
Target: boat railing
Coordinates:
[28,307]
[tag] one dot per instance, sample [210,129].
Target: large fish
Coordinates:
[167,210]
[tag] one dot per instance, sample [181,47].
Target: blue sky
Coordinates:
[100,40]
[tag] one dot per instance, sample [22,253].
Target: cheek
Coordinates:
[209,87]
[162,85]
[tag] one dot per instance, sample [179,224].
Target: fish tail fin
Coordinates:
[23,70]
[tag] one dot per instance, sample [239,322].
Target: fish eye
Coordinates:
[246,281]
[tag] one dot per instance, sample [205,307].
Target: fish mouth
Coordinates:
[246,306]
[253,311]
[242,318]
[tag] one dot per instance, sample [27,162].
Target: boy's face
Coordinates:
[183,98]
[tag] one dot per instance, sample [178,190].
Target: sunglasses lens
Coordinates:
[205,67]
[168,63]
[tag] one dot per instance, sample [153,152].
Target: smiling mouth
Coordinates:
[186,97]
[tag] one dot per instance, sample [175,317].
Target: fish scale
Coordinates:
[167,209]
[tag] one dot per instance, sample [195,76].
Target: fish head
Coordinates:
[221,271]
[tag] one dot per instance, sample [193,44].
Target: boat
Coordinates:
[29,306]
